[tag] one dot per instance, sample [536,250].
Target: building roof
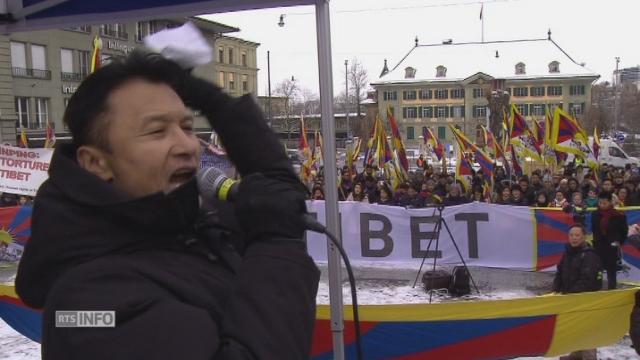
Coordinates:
[210,25]
[463,60]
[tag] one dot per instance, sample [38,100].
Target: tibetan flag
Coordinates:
[317,149]
[368,151]
[465,144]
[517,169]
[464,171]
[397,141]
[538,133]
[305,153]
[50,136]
[96,60]
[518,124]
[485,162]
[492,144]
[432,141]
[568,136]
[596,143]
[24,140]
[383,152]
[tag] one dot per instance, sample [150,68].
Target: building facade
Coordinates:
[626,76]
[44,68]
[449,84]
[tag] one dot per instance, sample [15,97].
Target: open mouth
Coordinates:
[182,176]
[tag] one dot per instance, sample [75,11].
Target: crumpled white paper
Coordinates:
[185,45]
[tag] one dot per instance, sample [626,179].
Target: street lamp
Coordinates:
[346,97]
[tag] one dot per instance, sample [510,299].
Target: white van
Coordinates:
[612,154]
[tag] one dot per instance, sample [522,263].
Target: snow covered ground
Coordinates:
[390,285]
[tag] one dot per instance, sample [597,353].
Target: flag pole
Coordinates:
[482,20]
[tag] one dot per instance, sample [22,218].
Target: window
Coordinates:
[426,94]
[410,133]
[614,151]
[66,60]
[83,28]
[409,95]
[220,55]
[244,59]
[390,95]
[22,111]
[479,111]
[18,55]
[576,90]
[442,132]
[409,112]
[232,84]
[576,108]
[441,71]
[537,91]
[537,109]
[154,27]
[520,69]
[38,57]
[409,73]
[458,111]
[142,30]
[42,113]
[427,112]
[457,93]
[245,83]
[84,64]
[230,56]
[442,93]
[554,90]
[554,67]
[553,107]
[442,111]
[116,30]
[478,93]
[523,109]
[521,91]
[221,79]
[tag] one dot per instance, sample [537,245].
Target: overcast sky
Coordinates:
[590,31]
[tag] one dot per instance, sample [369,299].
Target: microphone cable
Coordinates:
[315,226]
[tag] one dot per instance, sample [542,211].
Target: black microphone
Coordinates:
[214,184]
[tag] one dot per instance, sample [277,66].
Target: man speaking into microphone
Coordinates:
[117,227]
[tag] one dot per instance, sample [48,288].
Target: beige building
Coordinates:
[447,84]
[40,70]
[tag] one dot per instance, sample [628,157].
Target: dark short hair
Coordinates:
[605,195]
[84,111]
[579,226]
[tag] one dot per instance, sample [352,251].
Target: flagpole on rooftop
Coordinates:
[482,20]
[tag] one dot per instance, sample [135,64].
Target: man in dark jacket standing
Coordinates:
[117,227]
[579,270]
[609,228]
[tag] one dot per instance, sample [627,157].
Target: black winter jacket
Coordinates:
[618,230]
[579,270]
[92,248]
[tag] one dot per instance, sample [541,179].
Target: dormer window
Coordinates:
[409,73]
[554,67]
[441,71]
[520,69]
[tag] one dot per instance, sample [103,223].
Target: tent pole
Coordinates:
[323,33]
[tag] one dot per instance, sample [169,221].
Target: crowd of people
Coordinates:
[574,186]
[9,199]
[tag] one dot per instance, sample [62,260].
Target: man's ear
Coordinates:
[94,161]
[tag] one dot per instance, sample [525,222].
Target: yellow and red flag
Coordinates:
[431,140]
[397,140]
[96,60]
[50,136]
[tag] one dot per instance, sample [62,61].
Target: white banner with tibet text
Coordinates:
[22,171]
[485,235]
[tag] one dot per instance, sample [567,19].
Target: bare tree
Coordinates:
[288,89]
[358,81]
